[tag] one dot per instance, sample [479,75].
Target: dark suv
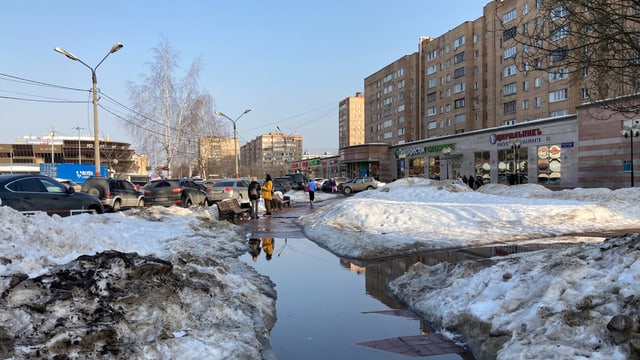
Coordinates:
[114,194]
[299,179]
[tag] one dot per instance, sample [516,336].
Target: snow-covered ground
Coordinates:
[165,283]
[550,304]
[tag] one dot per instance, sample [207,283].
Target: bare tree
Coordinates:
[170,113]
[594,43]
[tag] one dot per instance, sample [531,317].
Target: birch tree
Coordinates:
[170,112]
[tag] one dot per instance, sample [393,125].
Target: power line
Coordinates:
[40,83]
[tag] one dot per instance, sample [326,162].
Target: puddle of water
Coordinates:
[326,306]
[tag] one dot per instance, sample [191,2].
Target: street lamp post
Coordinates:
[631,132]
[235,135]
[96,137]
[516,159]
[446,152]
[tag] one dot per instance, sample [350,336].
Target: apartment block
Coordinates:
[390,102]
[270,154]
[468,79]
[216,156]
[351,121]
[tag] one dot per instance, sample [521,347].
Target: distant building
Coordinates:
[31,151]
[270,153]
[351,121]
[216,156]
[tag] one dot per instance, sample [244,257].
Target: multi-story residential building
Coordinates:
[351,121]
[216,156]
[390,102]
[270,153]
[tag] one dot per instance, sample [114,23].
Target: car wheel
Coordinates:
[117,206]
[141,203]
[188,203]
[347,190]
[369,187]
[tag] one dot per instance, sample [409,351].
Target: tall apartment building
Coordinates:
[390,102]
[467,79]
[351,121]
[270,153]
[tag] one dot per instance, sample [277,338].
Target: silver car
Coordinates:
[227,189]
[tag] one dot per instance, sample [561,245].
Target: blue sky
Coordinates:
[291,62]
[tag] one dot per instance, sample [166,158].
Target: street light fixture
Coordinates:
[235,135]
[96,137]
[631,132]
[446,152]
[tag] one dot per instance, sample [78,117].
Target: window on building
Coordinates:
[432,55]
[431,111]
[400,72]
[459,72]
[584,93]
[509,89]
[509,16]
[387,135]
[559,113]
[509,107]
[525,9]
[525,104]
[458,42]
[401,108]
[558,55]
[431,97]
[458,103]
[432,83]
[460,119]
[447,108]
[585,71]
[558,12]
[525,85]
[537,101]
[510,70]
[509,34]
[460,87]
[510,52]
[537,82]
[509,122]
[558,95]
[432,69]
[400,132]
[458,58]
[432,125]
[559,74]
[559,33]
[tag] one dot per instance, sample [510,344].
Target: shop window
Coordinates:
[549,165]
[482,166]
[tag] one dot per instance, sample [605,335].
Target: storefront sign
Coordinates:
[565,145]
[496,138]
[404,152]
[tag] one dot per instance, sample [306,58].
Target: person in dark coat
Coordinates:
[254,196]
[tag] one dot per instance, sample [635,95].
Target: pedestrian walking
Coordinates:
[334,186]
[254,196]
[312,190]
[267,190]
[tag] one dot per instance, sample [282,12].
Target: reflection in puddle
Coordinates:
[324,312]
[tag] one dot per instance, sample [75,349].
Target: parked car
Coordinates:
[115,194]
[358,184]
[180,192]
[326,186]
[299,179]
[229,189]
[70,183]
[32,193]
[283,184]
